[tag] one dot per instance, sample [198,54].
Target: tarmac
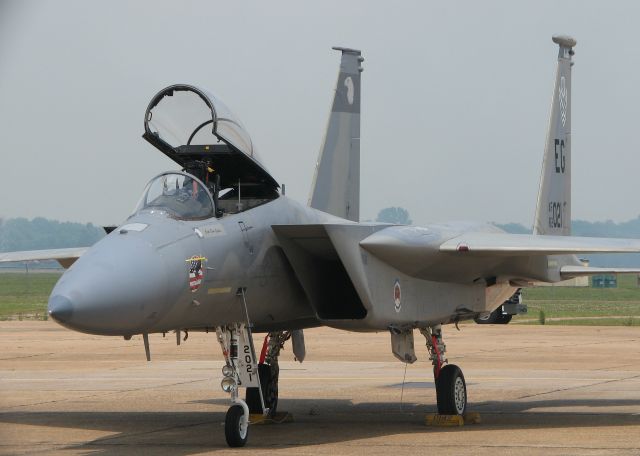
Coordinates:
[548,390]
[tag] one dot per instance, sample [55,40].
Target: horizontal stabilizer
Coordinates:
[504,244]
[569,272]
[66,257]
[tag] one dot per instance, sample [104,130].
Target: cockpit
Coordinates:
[197,131]
[180,195]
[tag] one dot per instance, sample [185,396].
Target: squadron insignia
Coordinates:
[397,295]
[348,83]
[564,100]
[196,272]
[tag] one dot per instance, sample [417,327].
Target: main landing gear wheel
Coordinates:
[236,430]
[451,391]
[269,383]
[494,318]
[489,319]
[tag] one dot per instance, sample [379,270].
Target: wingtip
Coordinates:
[347,50]
[564,40]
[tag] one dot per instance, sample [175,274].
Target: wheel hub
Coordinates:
[459,395]
[243,426]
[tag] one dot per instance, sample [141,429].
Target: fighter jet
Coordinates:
[218,247]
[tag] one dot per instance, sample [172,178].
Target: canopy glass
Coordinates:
[179,194]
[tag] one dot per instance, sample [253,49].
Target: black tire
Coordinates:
[235,433]
[269,382]
[490,319]
[504,319]
[451,391]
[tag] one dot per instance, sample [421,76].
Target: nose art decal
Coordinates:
[196,272]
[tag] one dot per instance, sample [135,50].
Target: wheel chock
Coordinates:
[434,419]
[278,418]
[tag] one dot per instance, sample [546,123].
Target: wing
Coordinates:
[433,254]
[66,257]
[503,244]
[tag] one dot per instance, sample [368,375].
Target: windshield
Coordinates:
[181,195]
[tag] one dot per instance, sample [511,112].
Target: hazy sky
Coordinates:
[455,99]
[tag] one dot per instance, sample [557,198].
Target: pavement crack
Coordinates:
[106,393]
[573,388]
[151,431]
[25,356]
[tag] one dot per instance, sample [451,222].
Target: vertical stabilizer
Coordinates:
[553,211]
[336,182]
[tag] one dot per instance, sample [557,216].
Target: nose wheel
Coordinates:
[236,426]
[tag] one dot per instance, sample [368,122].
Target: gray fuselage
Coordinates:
[137,281]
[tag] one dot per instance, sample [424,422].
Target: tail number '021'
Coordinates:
[248,361]
[558,148]
[556,214]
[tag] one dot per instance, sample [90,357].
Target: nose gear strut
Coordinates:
[240,370]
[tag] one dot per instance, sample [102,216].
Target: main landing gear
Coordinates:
[451,389]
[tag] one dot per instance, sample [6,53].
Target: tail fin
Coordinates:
[553,211]
[336,182]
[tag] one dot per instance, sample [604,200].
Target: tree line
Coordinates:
[40,233]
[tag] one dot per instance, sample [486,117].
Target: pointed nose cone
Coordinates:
[119,287]
[60,309]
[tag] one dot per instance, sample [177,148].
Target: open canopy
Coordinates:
[191,125]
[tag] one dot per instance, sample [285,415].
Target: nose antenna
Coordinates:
[145,339]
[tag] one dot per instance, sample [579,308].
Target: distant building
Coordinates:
[604,281]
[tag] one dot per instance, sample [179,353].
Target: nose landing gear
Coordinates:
[451,389]
[240,370]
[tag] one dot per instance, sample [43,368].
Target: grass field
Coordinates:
[585,305]
[25,296]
